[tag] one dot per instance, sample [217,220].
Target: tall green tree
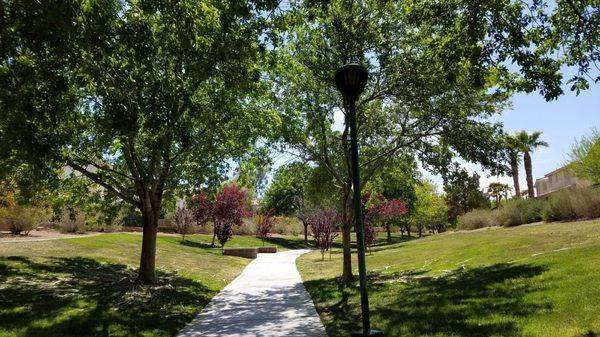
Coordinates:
[463,193]
[286,195]
[397,180]
[527,144]
[298,189]
[140,97]
[428,96]
[430,210]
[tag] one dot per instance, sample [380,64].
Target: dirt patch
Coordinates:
[40,235]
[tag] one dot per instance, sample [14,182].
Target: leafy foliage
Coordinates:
[142,98]
[564,205]
[520,211]
[21,218]
[79,197]
[498,190]
[287,192]
[382,212]
[585,158]
[203,208]
[265,225]
[323,226]
[413,115]
[430,210]
[397,180]
[476,219]
[463,193]
[184,221]
[229,206]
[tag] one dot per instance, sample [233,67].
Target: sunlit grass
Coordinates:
[88,287]
[535,280]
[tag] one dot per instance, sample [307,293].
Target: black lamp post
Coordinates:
[351,80]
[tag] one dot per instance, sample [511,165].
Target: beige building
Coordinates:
[557,180]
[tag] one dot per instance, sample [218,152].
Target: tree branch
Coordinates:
[98,180]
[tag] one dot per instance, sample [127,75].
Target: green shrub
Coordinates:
[24,219]
[520,211]
[476,219]
[565,205]
[285,225]
[585,203]
[559,207]
[20,226]
[248,227]
[72,222]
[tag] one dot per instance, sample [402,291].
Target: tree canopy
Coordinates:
[142,98]
[151,98]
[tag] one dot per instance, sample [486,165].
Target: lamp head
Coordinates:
[351,80]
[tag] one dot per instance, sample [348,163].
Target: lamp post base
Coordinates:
[372,333]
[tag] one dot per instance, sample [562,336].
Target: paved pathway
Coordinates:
[268,299]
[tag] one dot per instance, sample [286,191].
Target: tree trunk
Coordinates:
[529,173]
[212,244]
[347,275]
[389,232]
[305,232]
[514,167]
[147,273]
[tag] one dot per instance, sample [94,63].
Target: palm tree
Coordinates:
[497,191]
[514,149]
[529,143]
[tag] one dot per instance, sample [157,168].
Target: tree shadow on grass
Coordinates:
[485,301]
[196,244]
[84,297]
[288,243]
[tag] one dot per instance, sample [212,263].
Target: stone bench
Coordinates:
[242,252]
[267,249]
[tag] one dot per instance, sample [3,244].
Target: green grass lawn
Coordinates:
[535,280]
[87,286]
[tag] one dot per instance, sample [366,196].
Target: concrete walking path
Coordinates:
[267,299]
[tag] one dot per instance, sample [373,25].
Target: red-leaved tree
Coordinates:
[204,210]
[231,206]
[265,224]
[323,225]
[227,210]
[386,213]
[369,216]
[369,231]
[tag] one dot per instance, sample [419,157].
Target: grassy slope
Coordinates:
[86,286]
[537,280]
